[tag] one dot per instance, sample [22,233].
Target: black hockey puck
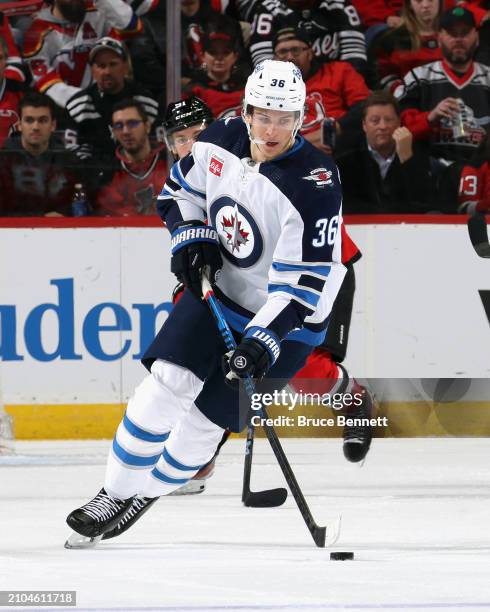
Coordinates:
[341,556]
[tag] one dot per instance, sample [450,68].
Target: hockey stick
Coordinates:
[269,498]
[319,534]
[477,229]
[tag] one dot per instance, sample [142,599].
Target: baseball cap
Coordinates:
[217,36]
[291,34]
[109,44]
[456,15]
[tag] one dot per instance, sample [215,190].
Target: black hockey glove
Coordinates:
[195,250]
[253,357]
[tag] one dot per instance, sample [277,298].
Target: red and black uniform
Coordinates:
[391,56]
[35,185]
[333,28]
[10,94]
[132,187]
[424,87]
[224,99]
[474,189]
[332,89]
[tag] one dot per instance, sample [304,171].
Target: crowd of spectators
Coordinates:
[398,91]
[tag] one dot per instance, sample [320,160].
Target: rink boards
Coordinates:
[78,306]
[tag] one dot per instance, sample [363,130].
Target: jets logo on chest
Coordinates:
[240,237]
[321,176]
[216,165]
[232,228]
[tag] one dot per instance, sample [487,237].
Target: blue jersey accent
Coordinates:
[281,267]
[176,464]
[142,434]
[132,459]
[168,479]
[302,294]
[177,176]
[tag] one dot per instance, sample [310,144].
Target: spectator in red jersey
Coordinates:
[37,175]
[59,40]
[139,170]
[446,102]
[10,93]
[386,174]
[413,43]
[333,89]
[221,80]
[474,183]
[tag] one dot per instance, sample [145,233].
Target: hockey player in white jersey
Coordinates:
[272,250]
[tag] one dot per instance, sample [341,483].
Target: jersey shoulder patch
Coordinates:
[306,177]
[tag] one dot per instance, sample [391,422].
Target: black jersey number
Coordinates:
[278,82]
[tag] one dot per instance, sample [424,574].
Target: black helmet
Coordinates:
[185,113]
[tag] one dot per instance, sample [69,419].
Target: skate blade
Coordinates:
[333,531]
[193,487]
[79,541]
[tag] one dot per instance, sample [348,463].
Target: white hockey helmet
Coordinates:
[277,86]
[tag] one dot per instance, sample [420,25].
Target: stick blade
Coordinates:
[270,498]
[332,531]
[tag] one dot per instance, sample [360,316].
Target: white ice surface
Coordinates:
[416,516]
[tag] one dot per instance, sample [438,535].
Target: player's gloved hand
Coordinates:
[253,357]
[195,250]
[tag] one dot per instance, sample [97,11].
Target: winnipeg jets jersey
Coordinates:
[278,224]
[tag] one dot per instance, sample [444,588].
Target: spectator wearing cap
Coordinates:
[386,173]
[446,102]
[220,81]
[333,89]
[58,42]
[11,92]
[138,171]
[90,110]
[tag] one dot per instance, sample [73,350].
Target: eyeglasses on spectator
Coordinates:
[294,51]
[130,124]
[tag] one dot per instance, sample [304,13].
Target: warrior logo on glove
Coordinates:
[195,251]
